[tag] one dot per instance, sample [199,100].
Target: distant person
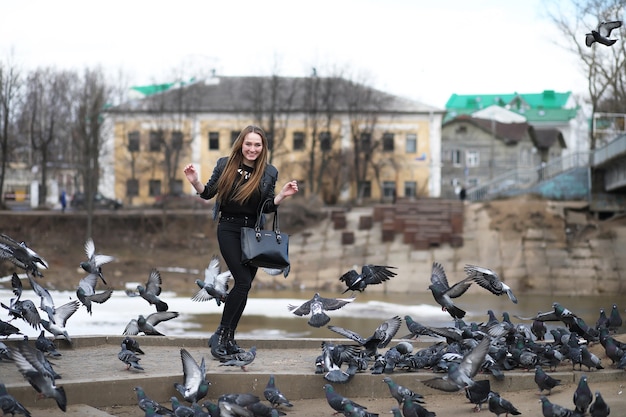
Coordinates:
[63,200]
[463,194]
[240,183]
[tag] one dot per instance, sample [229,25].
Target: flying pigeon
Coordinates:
[129,358]
[7,329]
[499,405]
[94,262]
[489,280]
[443,293]
[86,292]
[330,365]
[57,326]
[273,394]
[30,363]
[316,306]
[151,291]
[370,275]
[25,310]
[46,302]
[460,375]
[9,405]
[379,339]
[21,255]
[602,33]
[241,359]
[215,284]
[147,324]
[195,385]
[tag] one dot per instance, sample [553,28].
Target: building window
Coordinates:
[133,141]
[411,143]
[389,190]
[156,138]
[325,144]
[472,158]
[365,189]
[132,187]
[214,141]
[176,187]
[234,134]
[366,142]
[298,143]
[177,140]
[455,157]
[461,129]
[388,142]
[410,188]
[154,188]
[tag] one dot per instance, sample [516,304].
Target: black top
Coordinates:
[251,207]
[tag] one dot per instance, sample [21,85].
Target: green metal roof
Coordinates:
[548,99]
[148,90]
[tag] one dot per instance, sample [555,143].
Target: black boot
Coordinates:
[217,343]
[231,344]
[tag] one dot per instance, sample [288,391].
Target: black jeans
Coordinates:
[229,240]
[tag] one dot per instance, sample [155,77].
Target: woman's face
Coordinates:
[251,148]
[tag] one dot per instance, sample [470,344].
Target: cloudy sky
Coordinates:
[424,50]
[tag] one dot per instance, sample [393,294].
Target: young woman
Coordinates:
[240,183]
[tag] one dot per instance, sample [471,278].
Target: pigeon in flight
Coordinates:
[316,306]
[379,339]
[195,385]
[147,324]
[86,292]
[370,275]
[151,291]
[57,326]
[489,280]
[94,262]
[443,293]
[241,359]
[215,284]
[21,255]
[602,33]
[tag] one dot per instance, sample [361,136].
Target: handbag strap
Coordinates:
[275,227]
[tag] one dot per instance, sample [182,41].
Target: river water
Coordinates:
[267,316]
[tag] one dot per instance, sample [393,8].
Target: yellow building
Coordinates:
[340,140]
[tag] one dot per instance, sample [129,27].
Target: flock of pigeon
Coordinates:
[460,352]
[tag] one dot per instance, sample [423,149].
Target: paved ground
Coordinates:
[97,383]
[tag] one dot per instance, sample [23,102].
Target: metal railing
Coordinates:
[614,148]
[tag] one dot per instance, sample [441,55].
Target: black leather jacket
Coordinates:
[268,183]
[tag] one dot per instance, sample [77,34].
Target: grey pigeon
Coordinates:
[400,392]
[602,33]
[46,346]
[146,325]
[259,409]
[331,369]
[545,381]
[151,291]
[29,362]
[589,359]
[417,329]
[603,320]
[25,310]
[599,408]
[316,307]
[215,284]
[460,375]
[9,405]
[195,385]
[46,302]
[21,255]
[411,408]
[582,395]
[443,293]
[86,292]
[499,405]
[181,410]
[550,409]
[336,400]
[7,329]
[129,358]
[349,410]
[370,275]
[132,345]
[615,319]
[273,394]
[489,280]
[478,393]
[144,402]
[94,262]
[231,405]
[61,314]
[241,359]
[379,339]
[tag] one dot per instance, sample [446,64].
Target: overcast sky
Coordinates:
[421,50]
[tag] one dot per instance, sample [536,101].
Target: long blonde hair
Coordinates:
[230,175]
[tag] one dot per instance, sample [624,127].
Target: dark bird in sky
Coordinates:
[602,33]
[370,275]
[94,262]
[215,284]
[489,280]
[151,291]
[443,293]
[316,307]
[21,255]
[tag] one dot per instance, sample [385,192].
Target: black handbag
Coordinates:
[265,248]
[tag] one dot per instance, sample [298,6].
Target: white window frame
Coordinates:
[472,158]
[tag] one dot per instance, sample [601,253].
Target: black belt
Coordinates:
[240,220]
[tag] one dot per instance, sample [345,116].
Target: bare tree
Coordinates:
[604,67]
[10,84]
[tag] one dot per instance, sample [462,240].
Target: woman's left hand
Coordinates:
[288,190]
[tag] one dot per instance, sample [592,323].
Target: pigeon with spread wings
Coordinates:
[370,274]
[379,339]
[151,291]
[94,262]
[316,306]
[602,33]
[489,280]
[443,293]
[21,255]
[215,284]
